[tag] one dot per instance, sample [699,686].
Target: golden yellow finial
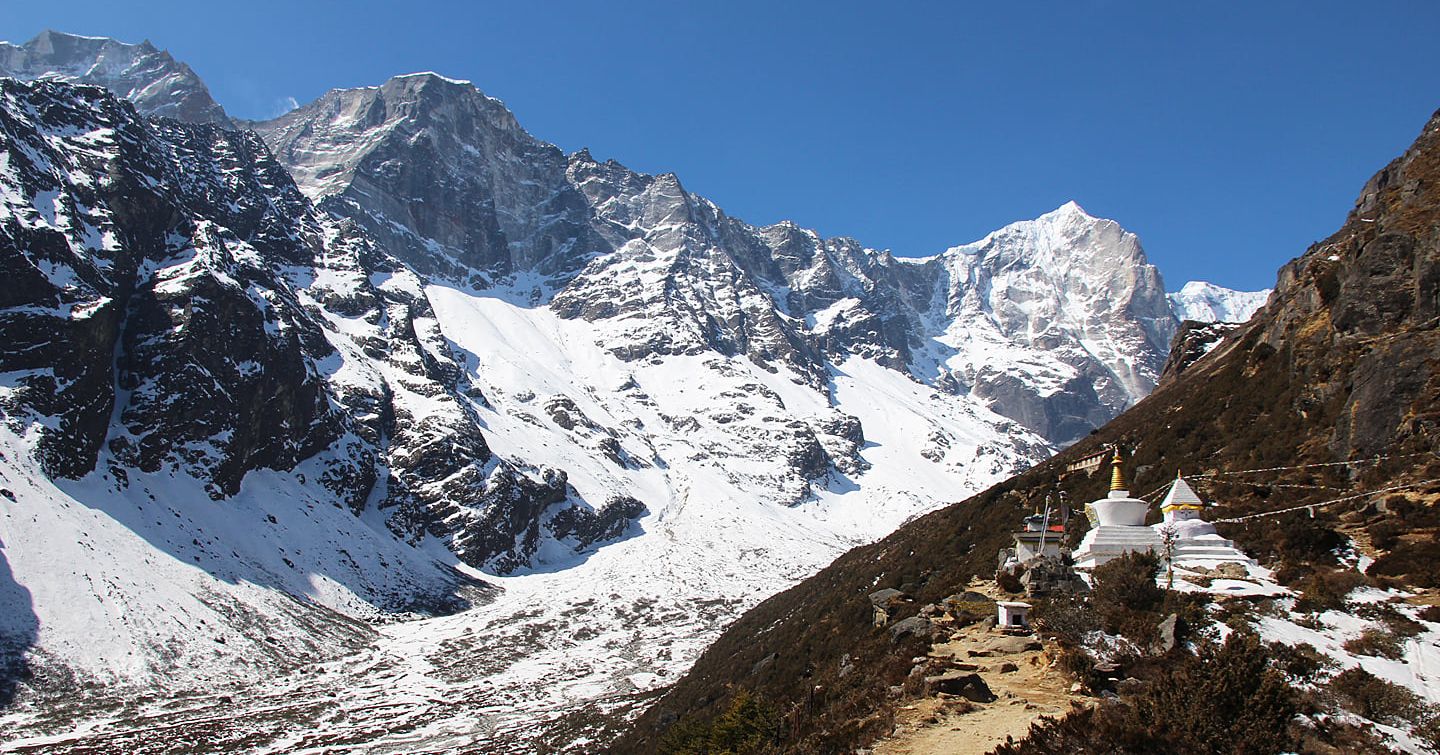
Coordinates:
[1117,477]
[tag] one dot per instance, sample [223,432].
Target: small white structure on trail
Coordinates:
[1120,528]
[1012,614]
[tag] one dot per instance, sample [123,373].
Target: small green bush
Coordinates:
[1192,608]
[1416,562]
[1327,589]
[1386,613]
[1299,662]
[1125,596]
[1291,540]
[1065,619]
[1075,663]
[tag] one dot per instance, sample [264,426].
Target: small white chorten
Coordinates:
[1197,542]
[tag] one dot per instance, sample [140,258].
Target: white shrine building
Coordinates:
[1118,527]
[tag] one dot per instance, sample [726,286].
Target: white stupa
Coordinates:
[1119,525]
[1198,543]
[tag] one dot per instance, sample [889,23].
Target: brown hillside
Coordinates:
[1339,367]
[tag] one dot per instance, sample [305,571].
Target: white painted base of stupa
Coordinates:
[1198,542]
[1105,542]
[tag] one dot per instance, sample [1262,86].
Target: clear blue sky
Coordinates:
[1229,135]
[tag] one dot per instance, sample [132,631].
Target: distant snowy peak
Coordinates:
[152,79]
[1060,321]
[1207,302]
[442,175]
[1066,235]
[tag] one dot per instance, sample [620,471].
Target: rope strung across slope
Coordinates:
[1371,460]
[1332,501]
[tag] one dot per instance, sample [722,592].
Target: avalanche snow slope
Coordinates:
[716,539]
[568,649]
[155,587]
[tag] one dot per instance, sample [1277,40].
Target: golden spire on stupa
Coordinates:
[1117,477]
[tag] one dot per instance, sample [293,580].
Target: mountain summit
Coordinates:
[149,77]
[1057,323]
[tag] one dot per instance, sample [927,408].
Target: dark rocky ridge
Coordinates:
[167,289]
[1192,342]
[1340,366]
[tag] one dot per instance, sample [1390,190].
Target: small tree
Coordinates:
[1169,544]
[747,725]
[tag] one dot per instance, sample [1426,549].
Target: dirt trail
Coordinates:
[953,725]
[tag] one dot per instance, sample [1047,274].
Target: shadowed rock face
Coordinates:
[175,305]
[1193,341]
[1366,300]
[440,175]
[142,276]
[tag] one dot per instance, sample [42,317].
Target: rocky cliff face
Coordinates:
[153,80]
[1057,323]
[142,254]
[179,305]
[441,175]
[1193,341]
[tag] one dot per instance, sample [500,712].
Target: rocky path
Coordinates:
[1016,669]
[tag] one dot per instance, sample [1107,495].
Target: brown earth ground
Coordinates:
[955,726]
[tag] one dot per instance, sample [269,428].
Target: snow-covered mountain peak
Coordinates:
[1067,232]
[1044,310]
[1071,207]
[434,75]
[1207,302]
[148,77]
